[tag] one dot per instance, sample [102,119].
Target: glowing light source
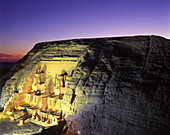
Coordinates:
[42,91]
[20,91]
[57,92]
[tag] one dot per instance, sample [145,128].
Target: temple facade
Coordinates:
[42,93]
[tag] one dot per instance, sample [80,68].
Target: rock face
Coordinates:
[119,86]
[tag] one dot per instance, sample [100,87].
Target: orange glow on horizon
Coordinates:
[12,58]
[14,52]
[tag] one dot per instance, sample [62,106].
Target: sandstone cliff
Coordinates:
[119,86]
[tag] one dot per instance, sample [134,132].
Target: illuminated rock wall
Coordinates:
[53,68]
[22,74]
[119,85]
[122,88]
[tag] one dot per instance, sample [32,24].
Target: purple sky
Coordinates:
[26,22]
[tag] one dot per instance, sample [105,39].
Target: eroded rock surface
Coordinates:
[119,86]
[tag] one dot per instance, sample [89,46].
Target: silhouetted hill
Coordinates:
[5,67]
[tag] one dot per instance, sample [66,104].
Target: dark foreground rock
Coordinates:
[120,85]
[11,128]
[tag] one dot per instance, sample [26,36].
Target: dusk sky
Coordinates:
[23,23]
